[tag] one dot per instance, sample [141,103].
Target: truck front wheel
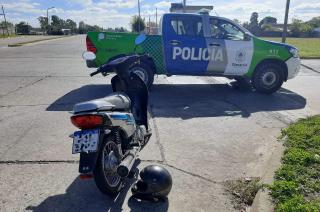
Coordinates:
[267,78]
[145,72]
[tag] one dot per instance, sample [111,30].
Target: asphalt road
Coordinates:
[204,132]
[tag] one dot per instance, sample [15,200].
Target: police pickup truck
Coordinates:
[201,45]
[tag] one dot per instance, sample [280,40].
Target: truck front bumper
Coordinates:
[293,65]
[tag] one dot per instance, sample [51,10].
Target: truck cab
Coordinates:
[200,44]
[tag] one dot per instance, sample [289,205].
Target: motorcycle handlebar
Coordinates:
[95,73]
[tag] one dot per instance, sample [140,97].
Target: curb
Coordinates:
[263,201]
[33,41]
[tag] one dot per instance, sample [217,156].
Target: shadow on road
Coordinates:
[85,196]
[85,93]
[194,100]
[202,100]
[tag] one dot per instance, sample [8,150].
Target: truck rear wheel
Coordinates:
[145,72]
[267,78]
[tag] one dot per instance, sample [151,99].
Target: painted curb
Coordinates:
[34,41]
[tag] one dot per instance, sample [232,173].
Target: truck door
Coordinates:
[230,49]
[184,43]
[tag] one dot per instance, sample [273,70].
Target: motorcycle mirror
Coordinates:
[88,55]
[140,38]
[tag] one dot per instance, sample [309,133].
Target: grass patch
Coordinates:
[308,47]
[7,36]
[243,191]
[297,181]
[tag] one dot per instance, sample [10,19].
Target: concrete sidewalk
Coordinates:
[4,42]
[313,64]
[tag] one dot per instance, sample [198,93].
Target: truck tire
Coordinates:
[267,78]
[144,71]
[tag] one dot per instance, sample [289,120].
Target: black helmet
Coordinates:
[155,184]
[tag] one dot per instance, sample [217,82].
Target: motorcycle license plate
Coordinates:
[85,141]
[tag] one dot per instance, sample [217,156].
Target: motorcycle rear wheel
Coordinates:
[105,173]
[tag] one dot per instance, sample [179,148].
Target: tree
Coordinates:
[43,23]
[70,24]
[82,27]
[3,24]
[314,22]
[246,25]
[268,20]
[23,28]
[253,25]
[299,28]
[57,25]
[236,21]
[137,24]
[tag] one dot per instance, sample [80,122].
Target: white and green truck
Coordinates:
[202,45]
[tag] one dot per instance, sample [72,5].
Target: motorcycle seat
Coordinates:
[115,101]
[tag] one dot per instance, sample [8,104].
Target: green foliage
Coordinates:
[314,22]
[3,24]
[297,182]
[43,23]
[267,27]
[84,28]
[137,24]
[253,25]
[298,204]
[299,28]
[23,28]
[267,20]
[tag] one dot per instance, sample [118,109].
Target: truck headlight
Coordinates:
[294,52]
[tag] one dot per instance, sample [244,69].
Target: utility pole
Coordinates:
[5,21]
[157,17]
[149,25]
[285,25]
[139,15]
[184,5]
[48,18]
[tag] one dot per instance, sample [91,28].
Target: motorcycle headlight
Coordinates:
[294,52]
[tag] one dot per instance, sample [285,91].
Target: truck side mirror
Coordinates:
[246,37]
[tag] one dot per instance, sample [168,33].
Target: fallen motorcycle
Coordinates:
[113,129]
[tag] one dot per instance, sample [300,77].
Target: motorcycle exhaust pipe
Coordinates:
[127,163]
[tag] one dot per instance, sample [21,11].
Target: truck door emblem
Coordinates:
[240,56]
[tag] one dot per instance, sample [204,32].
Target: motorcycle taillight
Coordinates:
[87,121]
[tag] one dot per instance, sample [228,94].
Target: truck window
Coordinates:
[187,26]
[221,29]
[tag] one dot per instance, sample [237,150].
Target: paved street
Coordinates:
[204,132]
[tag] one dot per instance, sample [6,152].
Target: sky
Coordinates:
[117,13]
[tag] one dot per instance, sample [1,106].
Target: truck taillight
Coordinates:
[87,121]
[90,45]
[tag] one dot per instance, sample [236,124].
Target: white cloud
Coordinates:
[163,4]
[116,13]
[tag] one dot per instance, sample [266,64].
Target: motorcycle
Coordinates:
[113,129]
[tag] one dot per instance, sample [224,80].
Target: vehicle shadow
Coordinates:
[194,100]
[85,196]
[82,94]
[204,100]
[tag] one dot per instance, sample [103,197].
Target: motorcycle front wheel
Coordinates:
[105,173]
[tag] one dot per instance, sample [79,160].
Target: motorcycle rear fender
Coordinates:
[88,162]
